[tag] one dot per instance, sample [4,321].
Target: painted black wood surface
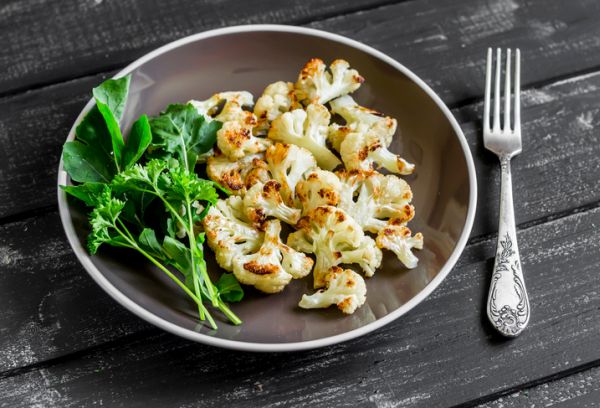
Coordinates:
[63,342]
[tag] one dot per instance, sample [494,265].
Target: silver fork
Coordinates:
[508,304]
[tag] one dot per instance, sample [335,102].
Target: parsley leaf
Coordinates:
[103,220]
[188,187]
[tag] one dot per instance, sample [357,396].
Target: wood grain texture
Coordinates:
[443,352]
[440,354]
[577,390]
[441,40]
[50,307]
[444,41]
[33,127]
[46,41]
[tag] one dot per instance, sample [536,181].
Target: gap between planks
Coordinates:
[529,385]
[301,21]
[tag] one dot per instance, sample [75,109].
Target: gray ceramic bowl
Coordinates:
[249,58]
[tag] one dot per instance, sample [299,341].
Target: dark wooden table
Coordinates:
[64,342]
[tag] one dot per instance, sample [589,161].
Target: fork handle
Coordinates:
[508,303]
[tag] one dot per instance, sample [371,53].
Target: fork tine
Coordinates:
[488,86]
[497,91]
[507,93]
[517,90]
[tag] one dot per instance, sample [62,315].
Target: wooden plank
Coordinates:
[33,127]
[48,41]
[578,390]
[560,149]
[445,42]
[440,354]
[559,167]
[49,305]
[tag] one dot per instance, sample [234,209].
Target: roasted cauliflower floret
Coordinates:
[397,238]
[359,118]
[233,110]
[344,288]
[235,140]
[274,265]
[316,84]
[263,200]
[367,256]
[276,99]
[337,133]
[227,232]
[327,232]
[287,163]
[319,187]
[372,198]
[237,176]
[307,129]
[211,106]
[257,172]
[365,150]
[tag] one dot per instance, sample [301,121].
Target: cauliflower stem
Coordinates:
[308,129]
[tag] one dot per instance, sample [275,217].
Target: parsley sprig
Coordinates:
[121,180]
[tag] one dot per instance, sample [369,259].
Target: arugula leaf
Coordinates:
[87,192]
[229,288]
[111,97]
[182,132]
[138,141]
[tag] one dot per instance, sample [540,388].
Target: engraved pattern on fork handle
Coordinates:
[508,303]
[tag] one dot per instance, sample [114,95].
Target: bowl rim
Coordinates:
[131,305]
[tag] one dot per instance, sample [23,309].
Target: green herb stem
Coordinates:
[134,245]
[192,239]
[227,312]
